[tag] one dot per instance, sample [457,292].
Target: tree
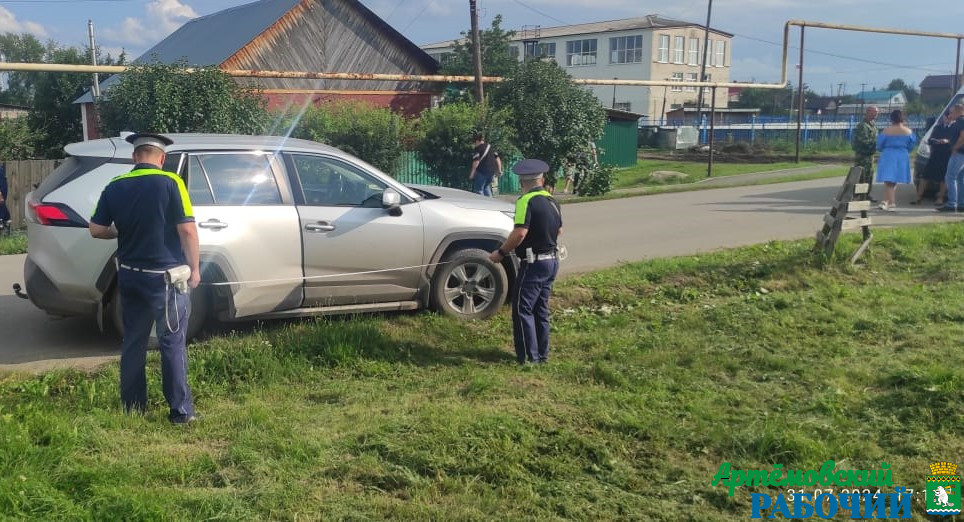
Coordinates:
[910,92]
[54,117]
[445,138]
[555,120]
[167,98]
[497,59]
[24,48]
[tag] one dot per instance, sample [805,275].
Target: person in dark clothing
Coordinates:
[538,223]
[4,211]
[955,165]
[149,212]
[486,166]
[936,168]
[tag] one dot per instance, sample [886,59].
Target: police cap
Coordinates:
[149,139]
[530,168]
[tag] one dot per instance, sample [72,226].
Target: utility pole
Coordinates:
[476,50]
[95,89]
[706,41]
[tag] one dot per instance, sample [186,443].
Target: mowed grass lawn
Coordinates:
[660,371]
[639,176]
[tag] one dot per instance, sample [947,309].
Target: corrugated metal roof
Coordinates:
[624,24]
[877,96]
[212,39]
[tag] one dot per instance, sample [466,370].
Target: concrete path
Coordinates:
[597,234]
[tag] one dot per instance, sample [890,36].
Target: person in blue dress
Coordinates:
[894,143]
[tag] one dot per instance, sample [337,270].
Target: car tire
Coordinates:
[200,308]
[469,286]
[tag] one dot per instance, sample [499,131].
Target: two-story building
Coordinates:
[645,48]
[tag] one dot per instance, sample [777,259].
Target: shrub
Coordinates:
[167,98]
[597,180]
[445,139]
[555,119]
[374,134]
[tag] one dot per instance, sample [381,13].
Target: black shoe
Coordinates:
[183,419]
[946,209]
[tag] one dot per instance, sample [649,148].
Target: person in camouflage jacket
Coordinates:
[864,145]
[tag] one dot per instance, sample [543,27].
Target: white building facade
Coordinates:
[646,48]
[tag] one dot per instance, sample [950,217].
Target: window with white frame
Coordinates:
[545,50]
[691,77]
[626,49]
[694,52]
[720,53]
[581,52]
[678,51]
[663,52]
[677,77]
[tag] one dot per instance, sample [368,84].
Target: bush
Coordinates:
[555,119]
[597,181]
[445,139]
[374,134]
[158,97]
[17,139]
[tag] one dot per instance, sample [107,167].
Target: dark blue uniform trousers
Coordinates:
[142,301]
[530,310]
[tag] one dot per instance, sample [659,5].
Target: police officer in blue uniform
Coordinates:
[149,212]
[538,223]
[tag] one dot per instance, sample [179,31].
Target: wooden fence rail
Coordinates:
[22,176]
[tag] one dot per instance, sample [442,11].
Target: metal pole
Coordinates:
[957,69]
[706,39]
[709,164]
[95,89]
[662,114]
[476,50]
[614,93]
[800,100]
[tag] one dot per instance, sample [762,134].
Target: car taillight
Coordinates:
[56,215]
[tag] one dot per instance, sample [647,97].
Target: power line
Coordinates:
[840,56]
[549,16]
[419,15]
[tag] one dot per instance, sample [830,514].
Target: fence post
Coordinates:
[752,129]
[806,129]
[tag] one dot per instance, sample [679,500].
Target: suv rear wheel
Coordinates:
[469,286]
[200,307]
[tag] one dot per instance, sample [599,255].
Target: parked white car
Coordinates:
[297,228]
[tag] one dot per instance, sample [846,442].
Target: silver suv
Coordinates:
[287,228]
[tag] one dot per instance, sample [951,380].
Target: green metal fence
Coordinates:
[618,144]
[413,171]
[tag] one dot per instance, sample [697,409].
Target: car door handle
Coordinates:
[321,226]
[213,224]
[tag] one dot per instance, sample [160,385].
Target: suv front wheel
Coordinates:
[469,286]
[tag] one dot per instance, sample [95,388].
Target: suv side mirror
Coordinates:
[392,201]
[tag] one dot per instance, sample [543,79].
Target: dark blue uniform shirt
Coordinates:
[146,205]
[538,212]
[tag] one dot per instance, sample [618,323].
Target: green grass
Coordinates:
[639,175]
[15,243]
[660,372]
[689,187]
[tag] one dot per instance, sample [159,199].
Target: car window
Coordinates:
[172,163]
[197,183]
[330,182]
[235,179]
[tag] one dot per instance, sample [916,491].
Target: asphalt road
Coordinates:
[597,235]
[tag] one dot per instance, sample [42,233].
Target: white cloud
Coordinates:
[163,17]
[9,23]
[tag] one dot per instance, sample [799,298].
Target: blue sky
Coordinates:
[861,58]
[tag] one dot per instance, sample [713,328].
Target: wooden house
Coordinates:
[299,35]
